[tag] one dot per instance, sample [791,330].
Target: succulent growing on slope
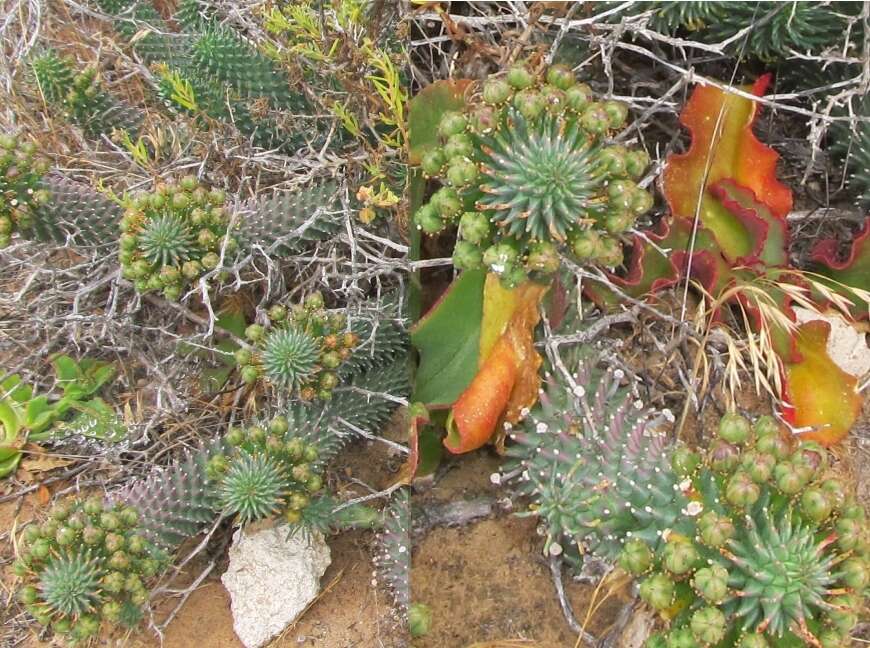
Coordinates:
[174,235]
[81,97]
[301,350]
[88,563]
[777,551]
[594,463]
[750,543]
[21,193]
[527,173]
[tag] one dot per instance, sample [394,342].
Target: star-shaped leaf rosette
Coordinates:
[301,349]
[173,236]
[529,173]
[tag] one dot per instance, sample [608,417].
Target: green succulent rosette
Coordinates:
[529,173]
[174,235]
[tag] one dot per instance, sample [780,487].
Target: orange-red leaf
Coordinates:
[819,394]
[723,147]
[508,379]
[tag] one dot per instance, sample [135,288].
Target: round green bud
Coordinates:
[446,202]
[512,276]
[636,557]
[149,567]
[119,560]
[474,227]
[461,172]
[496,91]
[842,612]
[848,533]
[128,241]
[309,453]
[612,159]
[554,99]
[235,436]
[28,595]
[560,76]
[723,456]
[595,119]
[452,123]
[657,591]
[621,190]
[295,448]
[618,223]
[811,455]
[419,619]
[129,516]
[759,465]
[815,504]
[853,574]
[114,542]
[314,484]
[519,77]
[500,255]
[31,533]
[708,626]
[853,510]
[773,444]
[835,491]
[681,638]
[133,583]
[113,582]
[714,529]
[433,161]
[742,491]
[617,113]
[40,548]
[428,219]
[256,434]
[110,521]
[93,505]
[684,461]
[243,356]
[765,425]
[609,252]
[328,381]
[585,244]
[255,332]
[249,374]
[301,472]
[62,626]
[458,146]
[467,256]
[279,425]
[188,183]
[752,640]
[210,261]
[87,626]
[191,269]
[711,583]
[578,97]
[111,611]
[787,478]
[20,568]
[136,545]
[483,119]
[680,556]
[543,257]
[277,313]
[734,428]
[180,201]
[636,162]
[641,202]
[217,197]
[830,638]
[530,103]
[331,359]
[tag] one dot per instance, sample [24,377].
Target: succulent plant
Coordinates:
[856,144]
[86,564]
[140,19]
[301,350]
[75,213]
[194,15]
[594,464]
[393,560]
[173,235]
[527,173]
[220,55]
[777,27]
[81,97]
[21,192]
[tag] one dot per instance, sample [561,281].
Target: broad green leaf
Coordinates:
[448,339]
[66,369]
[18,391]
[11,419]
[425,113]
[39,414]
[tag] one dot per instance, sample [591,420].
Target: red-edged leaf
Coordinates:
[723,147]
[853,270]
[425,113]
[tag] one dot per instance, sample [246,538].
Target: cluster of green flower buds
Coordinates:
[527,174]
[776,546]
[21,171]
[86,564]
[173,235]
[269,471]
[301,349]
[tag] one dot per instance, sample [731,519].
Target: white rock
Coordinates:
[847,346]
[271,579]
